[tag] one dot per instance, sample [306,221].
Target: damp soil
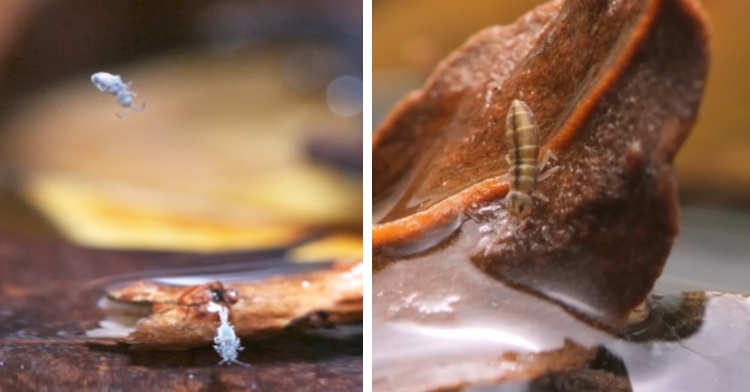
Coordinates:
[49,290]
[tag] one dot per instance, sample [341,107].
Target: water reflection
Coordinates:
[493,334]
[439,322]
[714,358]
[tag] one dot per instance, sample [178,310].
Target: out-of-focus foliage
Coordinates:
[246,142]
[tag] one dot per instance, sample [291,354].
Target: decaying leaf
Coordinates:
[153,315]
[614,87]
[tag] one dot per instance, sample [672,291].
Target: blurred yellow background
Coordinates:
[250,139]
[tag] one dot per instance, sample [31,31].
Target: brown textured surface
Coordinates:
[713,166]
[180,317]
[615,88]
[49,291]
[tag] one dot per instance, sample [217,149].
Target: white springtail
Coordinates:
[226,343]
[112,84]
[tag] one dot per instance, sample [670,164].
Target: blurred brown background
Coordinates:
[250,104]
[410,37]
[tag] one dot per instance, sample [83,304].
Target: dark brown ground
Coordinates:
[47,306]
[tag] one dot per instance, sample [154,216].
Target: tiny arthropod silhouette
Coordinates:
[522,135]
[112,84]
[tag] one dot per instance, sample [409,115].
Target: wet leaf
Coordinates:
[162,315]
[614,87]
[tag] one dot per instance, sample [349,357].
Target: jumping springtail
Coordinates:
[112,84]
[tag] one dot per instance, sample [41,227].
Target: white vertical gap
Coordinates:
[367,192]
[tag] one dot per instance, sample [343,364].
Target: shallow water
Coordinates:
[439,321]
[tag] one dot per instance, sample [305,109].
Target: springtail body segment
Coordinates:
[522,135]
[112,84]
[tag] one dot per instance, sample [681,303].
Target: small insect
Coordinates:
[522,135]
[226,342]
[112,84]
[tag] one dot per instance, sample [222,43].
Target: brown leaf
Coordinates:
[614,87]
[179,318]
